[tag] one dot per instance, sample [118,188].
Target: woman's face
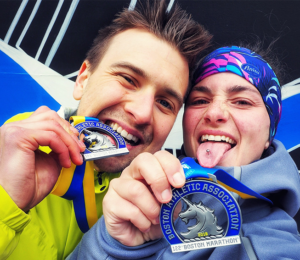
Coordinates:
[225,122]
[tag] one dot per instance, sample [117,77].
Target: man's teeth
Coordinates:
[217,138]
[123,132]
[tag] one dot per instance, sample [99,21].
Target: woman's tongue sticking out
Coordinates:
[210,153]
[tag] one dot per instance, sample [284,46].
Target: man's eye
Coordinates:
[164,103]
[129,80]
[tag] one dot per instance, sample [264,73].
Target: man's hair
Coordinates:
[174,26]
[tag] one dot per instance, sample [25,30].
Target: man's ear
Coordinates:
[81,80]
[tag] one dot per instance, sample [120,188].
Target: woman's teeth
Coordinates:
[123,132]
[217,138]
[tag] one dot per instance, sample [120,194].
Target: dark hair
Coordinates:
[175,27]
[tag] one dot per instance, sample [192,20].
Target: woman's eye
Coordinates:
[164,103]
[243,102]
[199,102]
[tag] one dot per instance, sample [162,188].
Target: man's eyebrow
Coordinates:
[238,88]
[127,65]
[142,73]
[174,94]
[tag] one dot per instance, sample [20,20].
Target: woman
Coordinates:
[230,121]
[237,104]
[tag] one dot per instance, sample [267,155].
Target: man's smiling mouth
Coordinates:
[129,138]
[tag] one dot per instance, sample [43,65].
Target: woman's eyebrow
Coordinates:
[202,89]
[238,88]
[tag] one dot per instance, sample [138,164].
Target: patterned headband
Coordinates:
[251,67]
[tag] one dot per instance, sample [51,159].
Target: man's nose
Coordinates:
[141,107]
[216,112]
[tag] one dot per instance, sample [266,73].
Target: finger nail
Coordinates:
[166,195]
[178,178]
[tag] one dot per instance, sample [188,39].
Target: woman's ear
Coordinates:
[81,80]
[267,145]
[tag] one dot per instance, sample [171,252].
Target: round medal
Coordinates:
[209,217]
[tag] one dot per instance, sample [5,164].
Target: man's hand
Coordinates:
[27,174]
[132,204]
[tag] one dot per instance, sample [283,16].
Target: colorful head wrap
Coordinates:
[252,67]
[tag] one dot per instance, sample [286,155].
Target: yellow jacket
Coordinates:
[49,230]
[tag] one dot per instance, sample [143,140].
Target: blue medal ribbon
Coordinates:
[194,170]
[77,184]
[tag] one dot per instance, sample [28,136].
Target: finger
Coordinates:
[41,109]
[51,117]
[80,143]
[74,145]
[117,210]
[139,195]
[44,113]
[154,233]
[159,177]
[51,139]
[26,142]
[172,167]
[146,167]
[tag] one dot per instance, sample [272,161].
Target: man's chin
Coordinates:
[113,164]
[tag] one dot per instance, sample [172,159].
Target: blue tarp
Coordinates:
[288,131]
[19,91]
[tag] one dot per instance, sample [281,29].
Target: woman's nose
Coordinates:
[217,112]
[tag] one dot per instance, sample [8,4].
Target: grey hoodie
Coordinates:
[268,232]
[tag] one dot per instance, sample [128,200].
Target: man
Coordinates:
[135,77]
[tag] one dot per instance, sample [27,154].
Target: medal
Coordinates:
[205,232]
[209,216]
[98,145]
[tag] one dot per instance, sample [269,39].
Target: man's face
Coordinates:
[226,115]
[138,85]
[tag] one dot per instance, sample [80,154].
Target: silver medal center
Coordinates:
[100,141]
[206,226]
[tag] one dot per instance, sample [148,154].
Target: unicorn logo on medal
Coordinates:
[206,227]
[96,141]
